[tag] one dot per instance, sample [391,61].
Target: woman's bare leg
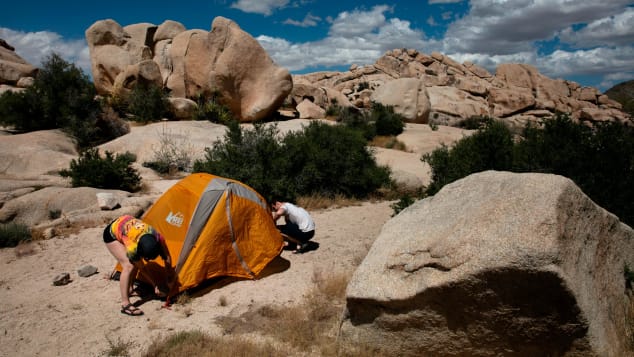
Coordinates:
[126,279]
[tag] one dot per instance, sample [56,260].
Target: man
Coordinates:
[299,226]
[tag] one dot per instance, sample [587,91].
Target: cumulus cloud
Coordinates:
[500,28]
[264,7]
[358,36]
[432,2]
[34,47]
[616,30]
[309,21]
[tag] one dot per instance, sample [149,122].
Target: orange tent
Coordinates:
[213,227]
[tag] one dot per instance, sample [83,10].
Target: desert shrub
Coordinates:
[357,120]
[320,159]
[212,110]
[385,120]
[334,108]
[474,122]
[330,160]
[405,201]
[600,160]
[11,234]
[147,102]
[173,151]
[61,96]
[254,157]
[110,172]
[490,148]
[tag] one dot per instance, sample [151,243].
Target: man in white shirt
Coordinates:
[299,226]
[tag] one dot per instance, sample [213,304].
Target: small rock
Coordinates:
[107,201]
[86,271]
[62,279]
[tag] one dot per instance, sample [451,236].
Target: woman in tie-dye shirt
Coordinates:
[129,239]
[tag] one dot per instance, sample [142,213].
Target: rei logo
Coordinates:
[175,219]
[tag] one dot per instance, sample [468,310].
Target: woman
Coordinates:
[129,239]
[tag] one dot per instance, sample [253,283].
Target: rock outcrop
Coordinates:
[496,264]
[516,93]
[189,63]
[15,72]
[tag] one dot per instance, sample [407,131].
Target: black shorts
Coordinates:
[107,236]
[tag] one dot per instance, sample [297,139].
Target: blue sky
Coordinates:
[587,41]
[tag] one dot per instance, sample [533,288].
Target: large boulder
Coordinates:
[252,85]
[408,96]
[495,264]
[13,67]
[226,63]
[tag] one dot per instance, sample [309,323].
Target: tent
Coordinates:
[213,227]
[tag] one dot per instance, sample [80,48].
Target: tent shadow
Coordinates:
[276,266]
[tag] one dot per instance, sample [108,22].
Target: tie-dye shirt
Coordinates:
[128,230]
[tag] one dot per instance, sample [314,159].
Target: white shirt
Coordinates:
[298,216]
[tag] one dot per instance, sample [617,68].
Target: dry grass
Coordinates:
[315,202]
[309,327]
[388,142]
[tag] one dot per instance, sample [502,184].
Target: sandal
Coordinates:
[131,310]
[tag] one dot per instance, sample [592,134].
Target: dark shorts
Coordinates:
[293,231]
[107,236]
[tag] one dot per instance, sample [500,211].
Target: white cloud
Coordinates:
[309,21]
[432,2]
[499,28]
[264,7]
[359,37]
[358,22]
[34,47]
[615,30]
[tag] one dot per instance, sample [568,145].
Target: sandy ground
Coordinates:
[39,319]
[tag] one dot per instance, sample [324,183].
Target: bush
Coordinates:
[11,234]
[330,160]
[490,148]
[111,172]
[171,153]
[61,96]
[212,110]
[254,157]
[147,102]
[599,160]
[385,120]
[320,159]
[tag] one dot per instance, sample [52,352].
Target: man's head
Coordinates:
[148,247]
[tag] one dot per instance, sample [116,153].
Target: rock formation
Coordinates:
[15,72]
[495,264]
[516,93]
[189,63]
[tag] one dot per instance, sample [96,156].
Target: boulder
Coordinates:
[12,66]
[495,264]
[251,84]
[310,110]
[408,96]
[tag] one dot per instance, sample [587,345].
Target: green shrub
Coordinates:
[61,96]
[212,110]
[330,160]
[111,172]
[355,119]
[490,148]
[320,159]
[405,201]
[147,102]
[385,120]
[254,157]
[599,160]
[474,122]
[11,234]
